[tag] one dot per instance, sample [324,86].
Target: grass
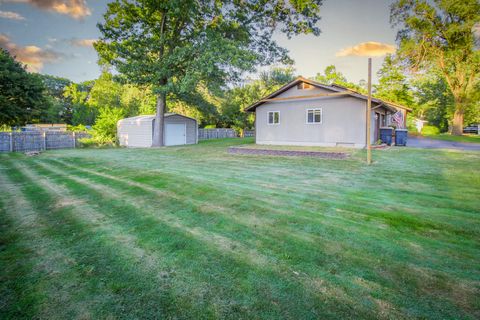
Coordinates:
[195,232]
[469,138]
[296,148]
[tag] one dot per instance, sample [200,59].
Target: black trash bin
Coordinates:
[401,137]
[386,135]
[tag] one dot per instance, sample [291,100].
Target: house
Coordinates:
[307,113]
[138,131]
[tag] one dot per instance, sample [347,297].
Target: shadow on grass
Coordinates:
[345,260]
[206,280]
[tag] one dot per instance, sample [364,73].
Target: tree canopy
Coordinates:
[434,100]
[22,98]
[393,83]
[439,35]
[175,46]
[231,110]
[332,76]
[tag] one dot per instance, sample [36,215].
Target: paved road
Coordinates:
[425,143]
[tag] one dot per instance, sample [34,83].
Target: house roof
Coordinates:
[334,88]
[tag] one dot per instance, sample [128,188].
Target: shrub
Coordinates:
[78,128]
[5,128]
[238,130]
[430,130]
[104,131]
[210,126]
[411,125]
[93,143]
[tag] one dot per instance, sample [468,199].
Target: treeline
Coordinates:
[100,103]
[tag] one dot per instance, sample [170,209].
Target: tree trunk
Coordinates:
[159,121]
[457,125]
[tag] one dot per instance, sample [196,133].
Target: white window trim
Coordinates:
[268,118]
[314,109]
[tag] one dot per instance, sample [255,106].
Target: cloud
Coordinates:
[77,9]
[32,56]
[83,42]
[367,49]
[11,15]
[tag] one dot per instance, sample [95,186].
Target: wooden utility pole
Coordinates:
[369,112]
[44,140]
[11,141]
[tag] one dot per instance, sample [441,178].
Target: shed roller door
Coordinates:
[175,134]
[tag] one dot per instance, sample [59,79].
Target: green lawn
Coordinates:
[196,233]
[470,138]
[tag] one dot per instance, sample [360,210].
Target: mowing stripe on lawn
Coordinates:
[261,232]
[420,257]
[224,244]
[238,248]
[395,277]
[391,218]
[110,273]
[52,272]
[88,215]
[175,186]
[269,283]
[238,197]
[346,213]
[362,203]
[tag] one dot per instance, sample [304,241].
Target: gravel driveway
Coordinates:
[426,143]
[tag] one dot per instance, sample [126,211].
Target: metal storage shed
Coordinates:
[138,131]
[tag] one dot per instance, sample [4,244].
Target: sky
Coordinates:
[55,37]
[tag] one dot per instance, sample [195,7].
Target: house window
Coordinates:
[303,85]
[314,115]
[274,117]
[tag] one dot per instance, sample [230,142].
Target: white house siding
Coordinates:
[343,121]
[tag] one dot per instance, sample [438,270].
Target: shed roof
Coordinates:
[150,118]
[334,88]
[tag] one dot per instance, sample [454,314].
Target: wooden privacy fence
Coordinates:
[37,141]
[248,133]
[204,134]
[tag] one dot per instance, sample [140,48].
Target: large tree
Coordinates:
[60,109]
[79,111]
[393,83]
[434,100]
[332,76]
[22,94]
[439,34]
[176,46]
[232,108]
